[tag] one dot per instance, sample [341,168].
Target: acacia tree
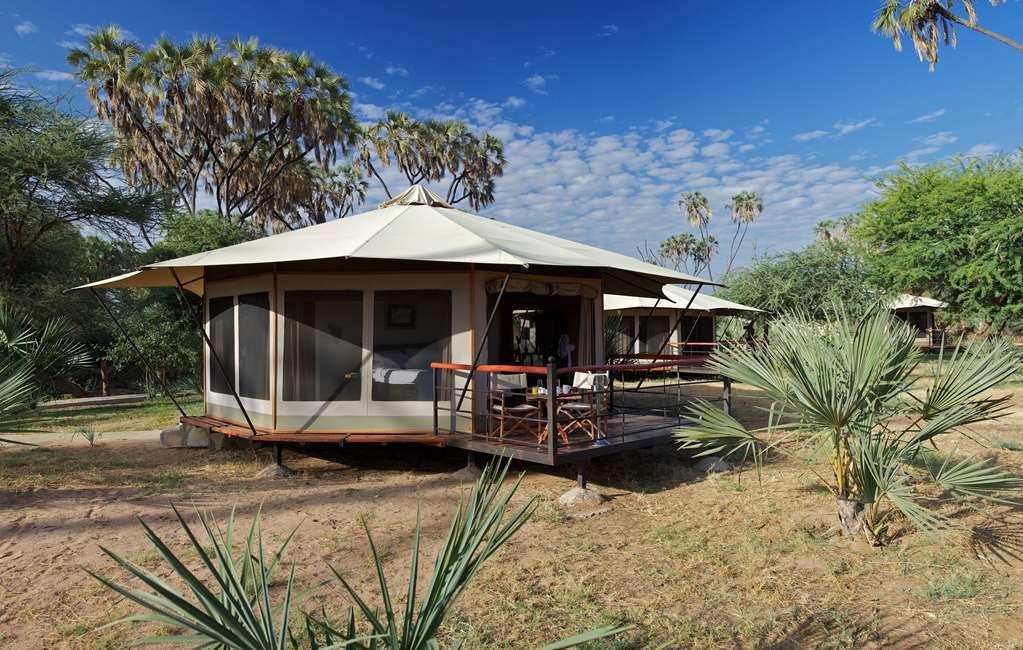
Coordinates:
[930,23]
[240,122]
[433,150]
[53,176]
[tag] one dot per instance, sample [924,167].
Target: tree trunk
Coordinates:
[851,520]
[104,378]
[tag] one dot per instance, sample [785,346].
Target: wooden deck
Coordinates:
[632,432]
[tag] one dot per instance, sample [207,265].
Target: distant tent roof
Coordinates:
[416,226]
[909,301]
[678,298]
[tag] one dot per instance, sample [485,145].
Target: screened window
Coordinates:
[626,333]
[222,339]
[653,332]
[411,330]
[322,345]
[254,345]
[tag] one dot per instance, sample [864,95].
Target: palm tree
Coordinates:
[745,208]
[31,357]
[849,391]
[696,210]
[929,23]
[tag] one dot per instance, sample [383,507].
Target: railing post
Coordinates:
[552,412]
[436,415]
[726,394]
[454,407]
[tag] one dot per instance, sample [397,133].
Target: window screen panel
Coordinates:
[322,346]
[653,332]
[626,333]
[411,330]
[254,345]
[222,338]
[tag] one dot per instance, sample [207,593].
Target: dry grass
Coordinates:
[694,561]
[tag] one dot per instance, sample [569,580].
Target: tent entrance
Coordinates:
[530,329]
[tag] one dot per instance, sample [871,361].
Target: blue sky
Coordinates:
[610,110]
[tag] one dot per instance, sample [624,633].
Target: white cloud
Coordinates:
[372,82]
[663,125]
[363,50]
[845,128]
[927,117]
[542,54]
[54,75]
[939,139]
[514,102]
[25,27]
[982,149]
[607,119]
[396,71]
[82,29]
[538,82]
[69,44]
[809,135]
[370,112]
[717,135]
[715,150]
[609,30]
[743,148]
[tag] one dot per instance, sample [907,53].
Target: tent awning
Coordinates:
[909,301]
[416,227]
[677,298]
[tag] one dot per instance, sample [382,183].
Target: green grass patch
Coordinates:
[1009,445]
[955,585]
[157,413]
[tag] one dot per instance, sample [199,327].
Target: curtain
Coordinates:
[586,332]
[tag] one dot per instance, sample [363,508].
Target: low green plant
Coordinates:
[235,608]
[1009,445]
[87,434]
[956,585]
[847,391]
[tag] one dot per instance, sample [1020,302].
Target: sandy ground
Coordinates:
[693,560]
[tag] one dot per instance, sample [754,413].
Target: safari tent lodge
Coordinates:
[417,322]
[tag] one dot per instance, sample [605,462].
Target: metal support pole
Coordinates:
[483,341]
[635,337]
[278,454]
[552,412]
[216,357]
[580,476]
[142,357]
[726,394]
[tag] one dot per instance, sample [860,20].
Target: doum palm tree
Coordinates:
[745,208]
[930,23]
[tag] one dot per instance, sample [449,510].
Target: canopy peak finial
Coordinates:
[417,195]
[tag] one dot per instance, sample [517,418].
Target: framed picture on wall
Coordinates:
[401,316]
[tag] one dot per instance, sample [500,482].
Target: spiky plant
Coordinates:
[236,609]
[849,390]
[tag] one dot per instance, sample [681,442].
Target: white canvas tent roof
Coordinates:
[678,298]
[417,226]
[909,301]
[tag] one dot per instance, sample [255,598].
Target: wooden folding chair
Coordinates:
[507,405]
[588,413]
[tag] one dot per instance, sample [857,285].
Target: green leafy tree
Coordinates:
[850,392]
[810,280]
[930,24]
[950,230]
[164,329]
[54,178]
